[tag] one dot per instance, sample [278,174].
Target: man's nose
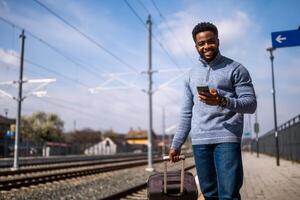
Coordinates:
[206,45]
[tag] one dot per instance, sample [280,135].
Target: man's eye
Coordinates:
[210,41]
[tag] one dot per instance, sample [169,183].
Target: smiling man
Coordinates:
[214,117]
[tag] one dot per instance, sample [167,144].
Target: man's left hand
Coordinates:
[212,98]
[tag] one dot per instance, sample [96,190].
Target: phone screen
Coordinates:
[202,89]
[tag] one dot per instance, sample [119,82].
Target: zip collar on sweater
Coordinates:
[214,62]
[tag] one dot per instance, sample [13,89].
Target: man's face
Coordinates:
[207,45]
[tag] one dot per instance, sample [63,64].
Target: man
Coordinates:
[214,118]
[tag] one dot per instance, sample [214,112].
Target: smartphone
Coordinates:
[202,89]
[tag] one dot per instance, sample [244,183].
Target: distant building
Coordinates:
[138,140]
[108,146]
[138,137]
[7,129]
[6,124]
[55,149]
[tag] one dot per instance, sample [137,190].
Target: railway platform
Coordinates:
[264,180]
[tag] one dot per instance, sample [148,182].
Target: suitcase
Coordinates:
[172,185]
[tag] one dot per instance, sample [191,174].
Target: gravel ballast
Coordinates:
[88,187]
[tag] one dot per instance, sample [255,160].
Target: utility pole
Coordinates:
[274,105]
[250,131]
[164,132]
[256,130]
[19,100]
[6,112]
[74,125]
[149,25]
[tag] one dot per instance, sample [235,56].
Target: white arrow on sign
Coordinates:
[279,38]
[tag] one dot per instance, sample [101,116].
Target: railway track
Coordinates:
[49,167]
[11,182]
[38,161]
[8,182]
[138,192]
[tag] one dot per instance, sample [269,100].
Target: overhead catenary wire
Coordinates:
[171,31]
[47,69]
[55,49]
[52,71]
[68,78]
[55,72]
[121,116]
[140,19]
[95,118]
[144,7]
[155,38]
[93,41]
[91,116]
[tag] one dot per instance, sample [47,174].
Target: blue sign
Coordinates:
[247,134]
[9,133]
[285,38]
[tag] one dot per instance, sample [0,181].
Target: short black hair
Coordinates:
[204,26]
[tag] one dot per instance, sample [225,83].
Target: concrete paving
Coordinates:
[264,180]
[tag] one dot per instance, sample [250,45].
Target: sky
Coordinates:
[97,52]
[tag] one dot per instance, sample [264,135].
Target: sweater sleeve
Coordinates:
[245,101]
[184,126]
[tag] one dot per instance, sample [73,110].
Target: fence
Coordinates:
[288,140]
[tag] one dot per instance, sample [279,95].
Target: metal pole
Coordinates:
[256,129]
[74,125]
[149,25]
[274,105]
[164,132]
[6,112]
[19,100]
[250,131]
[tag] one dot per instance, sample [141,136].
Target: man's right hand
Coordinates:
[174,155]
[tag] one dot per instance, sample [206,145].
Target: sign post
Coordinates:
[281,39]
[286,38]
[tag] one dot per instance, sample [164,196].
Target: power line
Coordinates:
[169,28]
[57,73]
[55,49]
[143,6]
[68,78]
[86,36]
[79,111]
[120,115]
[58,51]
[69,108]
[159,43]
[64,55]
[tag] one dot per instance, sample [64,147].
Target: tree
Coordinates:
[84,136]
[81,139]
[42,127]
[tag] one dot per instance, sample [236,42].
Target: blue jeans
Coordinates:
[220,170]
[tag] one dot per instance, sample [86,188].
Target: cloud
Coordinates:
[4,5]
[9,57]
[240,36]
[179,41]
[234,28]
[231,29]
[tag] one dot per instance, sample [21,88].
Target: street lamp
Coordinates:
[5,111]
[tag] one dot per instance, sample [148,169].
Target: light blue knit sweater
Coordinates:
[214,124]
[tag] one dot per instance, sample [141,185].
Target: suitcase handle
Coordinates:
[166,158]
